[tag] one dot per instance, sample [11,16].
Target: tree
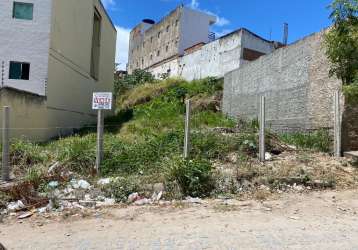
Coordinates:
[341,41]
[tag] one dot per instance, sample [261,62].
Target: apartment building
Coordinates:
[53,55]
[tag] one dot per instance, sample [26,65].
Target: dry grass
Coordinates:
[313,170]
[145,93]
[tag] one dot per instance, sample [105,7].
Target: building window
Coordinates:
[167,48]
[168,27]
[158,53]
[176,23]
[96,45]
[151,39]
[143,44]
[19,71]
[23,11]
[151,57]
[159,33]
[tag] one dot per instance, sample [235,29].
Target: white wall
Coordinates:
[26,41]
[194,28]
[215,58]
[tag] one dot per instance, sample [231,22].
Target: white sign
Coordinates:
[102,100]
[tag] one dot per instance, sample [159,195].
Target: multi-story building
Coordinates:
[181,45]
[152,43]
[53,55]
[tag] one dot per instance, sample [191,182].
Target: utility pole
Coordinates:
[187,130]
[5,173]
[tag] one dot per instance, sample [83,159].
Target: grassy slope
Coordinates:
[147,131]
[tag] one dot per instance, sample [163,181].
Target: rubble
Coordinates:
[81,184]
[53,184]
[15,206]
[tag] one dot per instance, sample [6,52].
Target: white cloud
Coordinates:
[108,3]
[220,21]
[194,4]
[122,47]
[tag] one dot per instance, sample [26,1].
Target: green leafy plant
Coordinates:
[194,177]
[341,41]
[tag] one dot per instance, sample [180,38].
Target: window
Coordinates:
[159,34]
[96,45]
[151,39]
[23,11]
[151,57]
[167,48]
[176,23]
[158,53]
[168,28]
[143,44]
[19,71]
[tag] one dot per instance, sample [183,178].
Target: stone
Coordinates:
[193,200]
[109,201]
[268,156]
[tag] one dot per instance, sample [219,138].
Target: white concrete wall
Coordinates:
[26,41]
[194,28]
[216,58]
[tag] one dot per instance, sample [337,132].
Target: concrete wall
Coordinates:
[296,84]
[27,114]
[70,86]
[215,58]
[26,41]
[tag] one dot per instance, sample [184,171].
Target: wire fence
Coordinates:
[141,151]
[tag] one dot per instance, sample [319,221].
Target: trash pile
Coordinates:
[76,194]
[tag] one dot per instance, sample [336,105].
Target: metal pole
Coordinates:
[262,130]
[5,145]
[100,125]
[187,130]
[337,125]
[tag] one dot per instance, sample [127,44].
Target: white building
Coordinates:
[152,43]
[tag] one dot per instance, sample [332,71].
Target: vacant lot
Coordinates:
[318,220]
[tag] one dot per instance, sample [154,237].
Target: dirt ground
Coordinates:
[317,220]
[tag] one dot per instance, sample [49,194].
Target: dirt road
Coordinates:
[321,220]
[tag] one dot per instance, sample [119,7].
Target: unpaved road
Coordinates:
[321,220]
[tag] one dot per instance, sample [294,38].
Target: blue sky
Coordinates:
[263,17]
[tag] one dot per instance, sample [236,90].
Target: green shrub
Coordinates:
[351,93]
[35,175]
[194,177]
[76,152]
[121,188]
[25,154]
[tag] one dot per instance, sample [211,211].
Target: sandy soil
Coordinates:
[319,220]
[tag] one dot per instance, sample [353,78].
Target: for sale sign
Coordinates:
[102,100]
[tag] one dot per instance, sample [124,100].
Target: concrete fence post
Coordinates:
[337,125]
[187,129]
[100,129]
[5,173]
[262,149]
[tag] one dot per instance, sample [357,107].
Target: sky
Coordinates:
[263,17]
